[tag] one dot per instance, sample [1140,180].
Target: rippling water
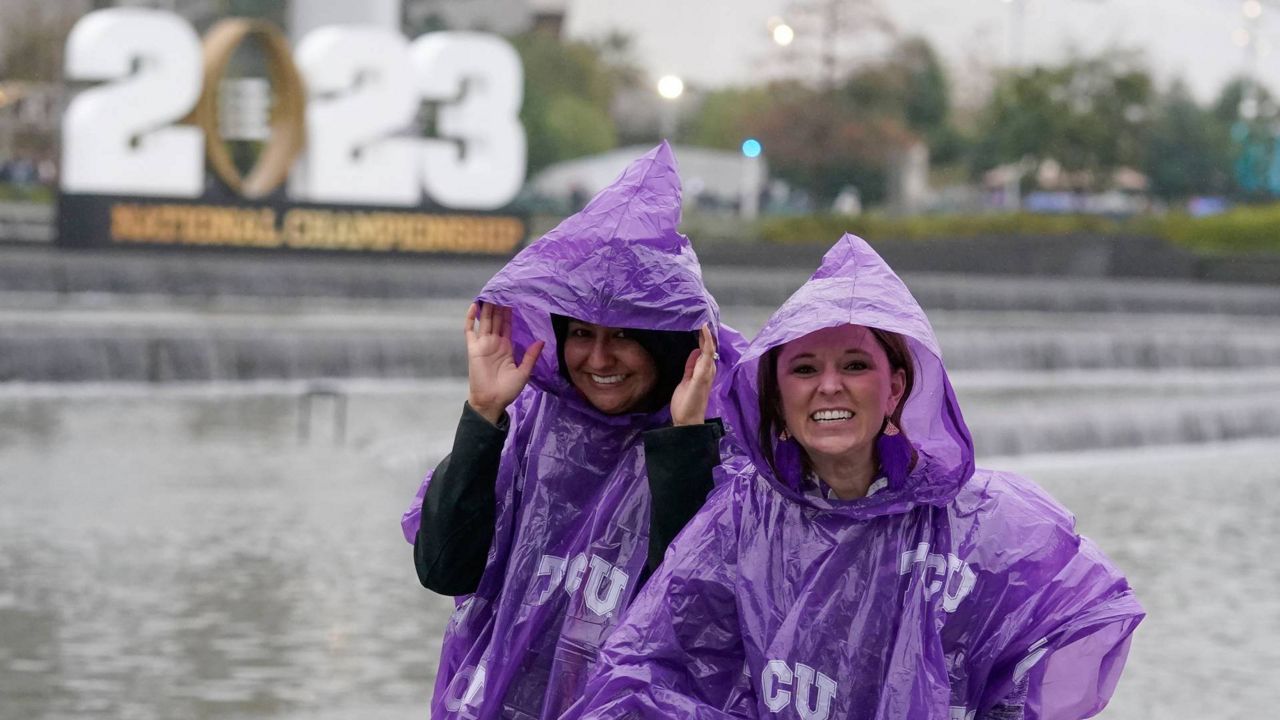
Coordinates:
[183,554]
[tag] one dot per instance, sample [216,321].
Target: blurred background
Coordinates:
[205,451]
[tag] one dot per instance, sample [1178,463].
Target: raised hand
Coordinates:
[689,401]
[494,375]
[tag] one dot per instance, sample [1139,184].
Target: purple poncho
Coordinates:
[949,594]
[572,525]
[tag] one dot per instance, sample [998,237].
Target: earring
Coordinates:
[889,428]
[784,436]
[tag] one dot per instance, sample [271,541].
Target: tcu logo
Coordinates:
[604,585]
[811,703]
[946,573]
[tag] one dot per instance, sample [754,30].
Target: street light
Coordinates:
[783,34]
[670,88]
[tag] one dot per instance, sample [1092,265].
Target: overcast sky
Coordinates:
[721,42]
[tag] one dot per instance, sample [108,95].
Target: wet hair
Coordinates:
[669,350]
[771,419]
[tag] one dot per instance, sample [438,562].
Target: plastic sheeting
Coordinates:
[950,594]
[571,535]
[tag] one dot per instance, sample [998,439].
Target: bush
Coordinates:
[1246,229]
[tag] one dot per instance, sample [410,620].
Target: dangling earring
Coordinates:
[784,436]
[895,454]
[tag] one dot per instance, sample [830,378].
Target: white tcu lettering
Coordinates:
[603,587]
[576,566]
[941,573]
[599,601]
[777,674]
[465,687]
[553,566]
[958,712]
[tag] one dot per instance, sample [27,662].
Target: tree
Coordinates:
[1188,150]
[568,90]
[911,87]
[821,142]
[1089,115]
[833,29]
[727,117]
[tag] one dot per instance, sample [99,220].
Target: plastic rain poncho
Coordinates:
[949,594]
[571,534]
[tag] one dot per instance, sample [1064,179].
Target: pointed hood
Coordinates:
[855,286]
[619,262]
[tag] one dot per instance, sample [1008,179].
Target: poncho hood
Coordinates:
[854,286]
[620,262]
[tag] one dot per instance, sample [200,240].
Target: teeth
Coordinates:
[822,415]
[607,379]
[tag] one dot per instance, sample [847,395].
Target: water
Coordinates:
[181,552]
[172,547]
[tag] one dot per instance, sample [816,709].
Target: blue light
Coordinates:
[751,147]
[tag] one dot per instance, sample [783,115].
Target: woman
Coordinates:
[542,518]
[856,565]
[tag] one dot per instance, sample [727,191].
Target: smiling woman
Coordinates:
[835,391]
[554,505]
[855,563]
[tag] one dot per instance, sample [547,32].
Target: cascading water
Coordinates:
[202,466]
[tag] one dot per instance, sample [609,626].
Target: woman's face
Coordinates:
[837,388]
[608,367]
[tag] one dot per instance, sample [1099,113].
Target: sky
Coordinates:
[713,43]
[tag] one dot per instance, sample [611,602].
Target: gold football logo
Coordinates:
[287,113]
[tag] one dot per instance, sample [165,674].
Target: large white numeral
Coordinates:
[116,138]
[479,161]
[360,91]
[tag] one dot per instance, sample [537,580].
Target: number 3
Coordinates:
[480,161]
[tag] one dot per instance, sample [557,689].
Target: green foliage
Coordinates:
[822,139]
[805,229]
[567,93]
[1088,114]
[26,193]
[727,117]
[1188,149]
[1246,229]
[575,127]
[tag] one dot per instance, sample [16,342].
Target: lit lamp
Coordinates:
[670,88]
[752,179]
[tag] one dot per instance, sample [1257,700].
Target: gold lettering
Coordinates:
[302,228]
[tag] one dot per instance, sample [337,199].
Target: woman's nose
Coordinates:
[600,355]
[829,382]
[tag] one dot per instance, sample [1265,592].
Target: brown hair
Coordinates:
[771,422]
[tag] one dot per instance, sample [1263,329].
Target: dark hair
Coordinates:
[669,350]
[771,421]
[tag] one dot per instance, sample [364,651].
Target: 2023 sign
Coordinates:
[343,105]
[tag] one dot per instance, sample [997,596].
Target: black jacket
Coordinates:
[458,510]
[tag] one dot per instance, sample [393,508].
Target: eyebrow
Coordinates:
[808,355]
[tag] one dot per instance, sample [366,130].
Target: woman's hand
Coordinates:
[689,401]
[494,376]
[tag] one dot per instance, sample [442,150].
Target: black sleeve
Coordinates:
[458,511]
[679,461]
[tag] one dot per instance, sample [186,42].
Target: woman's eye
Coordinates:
[579,332]
[857,365]
[803,370]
